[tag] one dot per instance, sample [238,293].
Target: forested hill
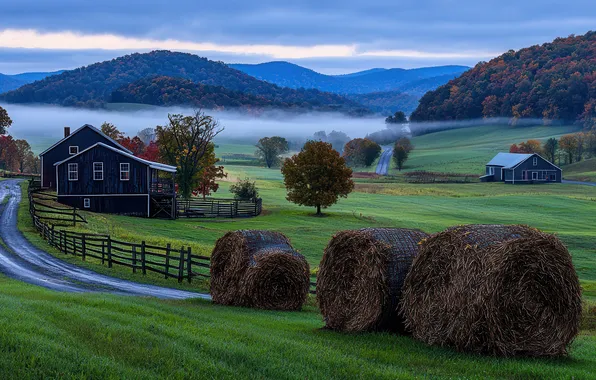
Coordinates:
[376,80]
[92,86]
[168,91]
[553,81]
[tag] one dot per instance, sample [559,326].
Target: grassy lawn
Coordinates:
[45,334]
[581,171]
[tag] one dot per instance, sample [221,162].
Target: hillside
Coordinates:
[386,103]
[92,86]
[555,80]
[167,91]
[581,171]
[374,80]
[12,82]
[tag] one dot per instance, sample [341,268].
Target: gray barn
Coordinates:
[521,168]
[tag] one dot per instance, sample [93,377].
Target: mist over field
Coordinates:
[43,125]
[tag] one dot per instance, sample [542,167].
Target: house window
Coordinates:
[535,161]
[73,172]
[72,150]
[491,171]
[86,203]
[98,171]
[124,172]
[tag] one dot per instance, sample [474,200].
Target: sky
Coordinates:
[332,37]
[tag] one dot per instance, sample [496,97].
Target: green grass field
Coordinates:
[109,336]
[581,171]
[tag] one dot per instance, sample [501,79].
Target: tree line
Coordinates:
[15,154]
[569,148]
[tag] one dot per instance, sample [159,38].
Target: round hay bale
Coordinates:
[361,276]
[258,269]
[494,289]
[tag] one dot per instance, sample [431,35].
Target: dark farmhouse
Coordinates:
[521,168]
[106,179]
[71,144]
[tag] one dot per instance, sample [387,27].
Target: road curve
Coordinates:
[579,183]
[384,162]
[21,260]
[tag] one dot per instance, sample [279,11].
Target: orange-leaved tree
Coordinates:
[317,176]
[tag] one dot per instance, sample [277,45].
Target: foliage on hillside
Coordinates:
[92,86]
[387,103]
[553,81]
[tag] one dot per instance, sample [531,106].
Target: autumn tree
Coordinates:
[398,118]
[5,121]
[550,149]
[135,145]
[361,152]
[151,152]
[23,154]
[317,176]
[568,144]
[111,131]
[209,174]
[183,142]
[269,149]
[8,153]
[401,152]
[530,146]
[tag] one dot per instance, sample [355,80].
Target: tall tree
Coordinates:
[270,148]
[401,152]
[550,149]
[338,140]
[151,152]
[361,152]
[23,153]
[317,176]
[5,121]
[184,142]
[8,153]
[111,131]
[398,118]
[209,174]
[568,144]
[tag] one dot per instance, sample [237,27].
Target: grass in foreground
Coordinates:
[50,334]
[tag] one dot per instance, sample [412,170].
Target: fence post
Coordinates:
[83,247]
[52,236]
[181,265]
[143,264]
[103,252]
[109,251]
[188,265]
[134,259]
[74,216]
[168,248]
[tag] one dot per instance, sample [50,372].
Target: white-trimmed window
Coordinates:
[491,171]
[124,171]
[535,161]
[73,149]
[98,171]
[86,203]
[73,172]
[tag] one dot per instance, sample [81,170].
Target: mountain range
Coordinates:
[12,82]
[413,81]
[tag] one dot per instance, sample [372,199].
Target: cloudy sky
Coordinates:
[337,36]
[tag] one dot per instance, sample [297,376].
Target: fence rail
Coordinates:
[179,263]
[213,207]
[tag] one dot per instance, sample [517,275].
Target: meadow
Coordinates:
[131,337]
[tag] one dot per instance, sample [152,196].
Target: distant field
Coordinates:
[468,150]
[581,171]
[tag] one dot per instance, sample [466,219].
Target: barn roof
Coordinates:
[151,164]
[509,160]
[80,129]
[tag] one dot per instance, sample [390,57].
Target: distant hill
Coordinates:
[387,103]
[168,91]
[555,80]
[12,82]
[375,80]
[92,86]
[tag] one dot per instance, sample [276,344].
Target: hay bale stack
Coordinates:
[361,276]
[493,289]
[258,269]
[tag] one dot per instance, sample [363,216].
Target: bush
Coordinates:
[245,190]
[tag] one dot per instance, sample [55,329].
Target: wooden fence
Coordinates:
[213,207]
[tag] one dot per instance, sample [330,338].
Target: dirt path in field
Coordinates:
[384,162]
[23,261]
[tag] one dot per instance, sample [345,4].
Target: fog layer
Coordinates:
[41,125]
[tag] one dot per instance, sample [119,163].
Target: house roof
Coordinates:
[151,164]
[80,129]
[509,160]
